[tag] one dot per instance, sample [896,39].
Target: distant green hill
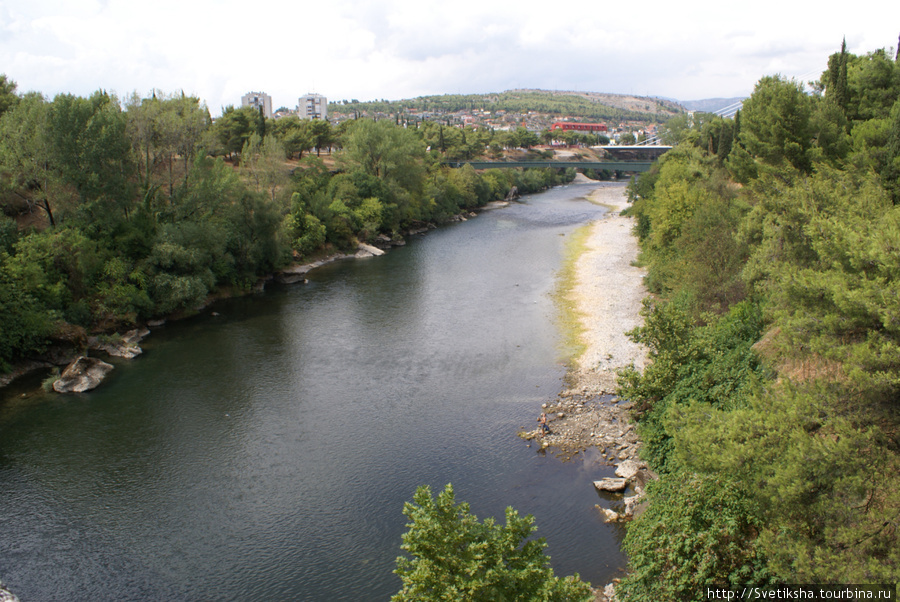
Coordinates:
[581,105]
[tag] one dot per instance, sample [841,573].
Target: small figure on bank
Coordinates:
[542,421]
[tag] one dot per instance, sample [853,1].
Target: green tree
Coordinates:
[294,134]
[697,531]
[775,124]
[675,130]
[626,139]
[821,474]
[263,160]
[8,96]
[234,128]
[143,129]
[522,138]
[874,85]
[59,269]
[25,323]
[91,149]
[456,557]
[29,169]
[835,78]
[385,151]
[321,133]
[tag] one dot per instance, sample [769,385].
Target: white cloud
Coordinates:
[219,49]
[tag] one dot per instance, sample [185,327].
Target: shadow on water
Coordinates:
[266,453]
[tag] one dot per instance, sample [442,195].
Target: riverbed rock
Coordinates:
[641,478]
[630,503]
[126,346]
[84,374]
[6,595]
[292,274]
[611,484]
[364,250]
[628,469]
[609,516]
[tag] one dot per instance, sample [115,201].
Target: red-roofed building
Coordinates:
[579,127]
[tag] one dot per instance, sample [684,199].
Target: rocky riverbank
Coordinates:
[606,295]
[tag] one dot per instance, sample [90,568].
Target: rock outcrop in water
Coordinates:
[125,346]
[84,374]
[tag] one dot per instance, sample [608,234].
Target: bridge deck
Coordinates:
[599,165]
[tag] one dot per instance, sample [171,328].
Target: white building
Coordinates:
[257,100]
[313,106]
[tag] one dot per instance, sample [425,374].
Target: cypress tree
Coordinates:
[726,135]
[836,88]
[261,124]
[843,91]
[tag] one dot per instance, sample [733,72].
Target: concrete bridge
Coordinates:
[621,166]
[637,158]
[637,152]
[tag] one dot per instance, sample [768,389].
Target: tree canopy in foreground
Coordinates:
[456,557]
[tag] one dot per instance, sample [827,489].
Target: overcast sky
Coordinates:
[394,49]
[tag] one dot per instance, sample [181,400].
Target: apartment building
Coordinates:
[313,106]
[258,100]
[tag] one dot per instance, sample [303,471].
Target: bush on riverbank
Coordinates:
[775,375]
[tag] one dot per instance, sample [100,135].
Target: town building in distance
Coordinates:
[258,100]
[313,106]
[579,127]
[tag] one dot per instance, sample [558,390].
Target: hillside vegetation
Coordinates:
[582,105]
[771,408]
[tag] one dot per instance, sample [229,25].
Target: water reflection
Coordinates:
[266,453]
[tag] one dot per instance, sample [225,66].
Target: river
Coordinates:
[265,453]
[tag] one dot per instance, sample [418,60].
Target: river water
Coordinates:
[265,453]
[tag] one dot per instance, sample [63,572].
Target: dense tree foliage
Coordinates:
[770,407]
[116,212]
[453,556]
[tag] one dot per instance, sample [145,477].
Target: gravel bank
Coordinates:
[607,293]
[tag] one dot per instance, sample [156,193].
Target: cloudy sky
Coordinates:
[393,49]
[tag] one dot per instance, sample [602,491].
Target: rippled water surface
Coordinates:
[265,454]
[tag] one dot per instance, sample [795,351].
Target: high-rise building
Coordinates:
[258,100]
[313,106]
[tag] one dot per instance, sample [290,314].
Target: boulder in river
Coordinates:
[611,484]
[84,374]
[6,595]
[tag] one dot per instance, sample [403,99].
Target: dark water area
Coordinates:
[265,453]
